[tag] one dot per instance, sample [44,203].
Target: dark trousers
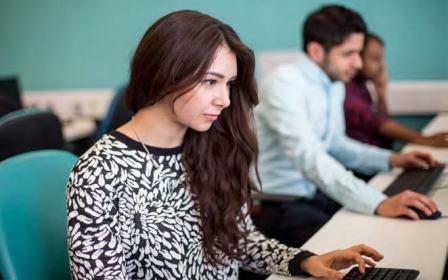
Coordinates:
[293,223]
[364,177]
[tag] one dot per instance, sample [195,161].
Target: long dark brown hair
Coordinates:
[173,57]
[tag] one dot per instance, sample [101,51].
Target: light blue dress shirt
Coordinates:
[303,145]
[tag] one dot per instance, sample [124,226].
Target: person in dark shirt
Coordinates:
[366,111]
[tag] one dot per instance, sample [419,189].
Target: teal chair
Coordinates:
[33,234]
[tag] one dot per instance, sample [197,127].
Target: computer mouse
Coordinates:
[437,214]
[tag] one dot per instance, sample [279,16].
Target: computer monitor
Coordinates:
[10,99]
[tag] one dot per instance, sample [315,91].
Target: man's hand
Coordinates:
[398,205]
[412,160]
[328,264]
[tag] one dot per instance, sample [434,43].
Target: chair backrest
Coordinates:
[29,130]
[33,229]
[117,114]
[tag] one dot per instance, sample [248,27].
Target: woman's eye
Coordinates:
[231,83]
[209,82]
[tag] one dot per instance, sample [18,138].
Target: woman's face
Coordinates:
[373,59]
[202,105]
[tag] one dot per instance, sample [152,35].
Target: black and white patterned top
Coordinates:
[130,217]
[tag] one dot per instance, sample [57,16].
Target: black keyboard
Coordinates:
[420,181]
[382,273]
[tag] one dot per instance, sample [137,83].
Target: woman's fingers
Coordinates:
[360,255]
[359,261]
[369,262]
[367,251]
[329,273]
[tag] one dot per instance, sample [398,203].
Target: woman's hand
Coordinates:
[436,140]
[381,82]
[328,265]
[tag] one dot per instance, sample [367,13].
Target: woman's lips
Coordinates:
[211,117]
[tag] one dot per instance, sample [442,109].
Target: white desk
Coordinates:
[438,124]
[77,129]
[418,245]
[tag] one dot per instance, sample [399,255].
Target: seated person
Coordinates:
[165,196]
[366,114]
[304,151]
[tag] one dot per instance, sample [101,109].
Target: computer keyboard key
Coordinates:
[420,180]
[382,274]
[390,274]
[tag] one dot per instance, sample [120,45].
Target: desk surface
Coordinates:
[418,245]
[438,124]
[77,129]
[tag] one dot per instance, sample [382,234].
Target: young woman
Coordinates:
[166,195]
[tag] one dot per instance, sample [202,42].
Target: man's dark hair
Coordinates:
[331,25]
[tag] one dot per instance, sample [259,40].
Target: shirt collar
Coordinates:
[314,72]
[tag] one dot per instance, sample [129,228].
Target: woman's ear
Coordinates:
[316,52]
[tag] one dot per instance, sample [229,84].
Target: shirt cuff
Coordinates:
[295,263]
[376,200]
[382,159]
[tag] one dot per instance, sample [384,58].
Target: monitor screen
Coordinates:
[10,99]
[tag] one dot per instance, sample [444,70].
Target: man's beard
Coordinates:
[327,69]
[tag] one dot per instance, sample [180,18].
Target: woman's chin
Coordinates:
[202,127]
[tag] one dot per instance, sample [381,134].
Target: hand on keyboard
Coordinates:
[412,160]
[400,205]
[328,264]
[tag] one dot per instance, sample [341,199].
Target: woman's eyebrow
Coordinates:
[215,74]
[220,75]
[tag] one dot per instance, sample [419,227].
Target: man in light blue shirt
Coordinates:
[304,151]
